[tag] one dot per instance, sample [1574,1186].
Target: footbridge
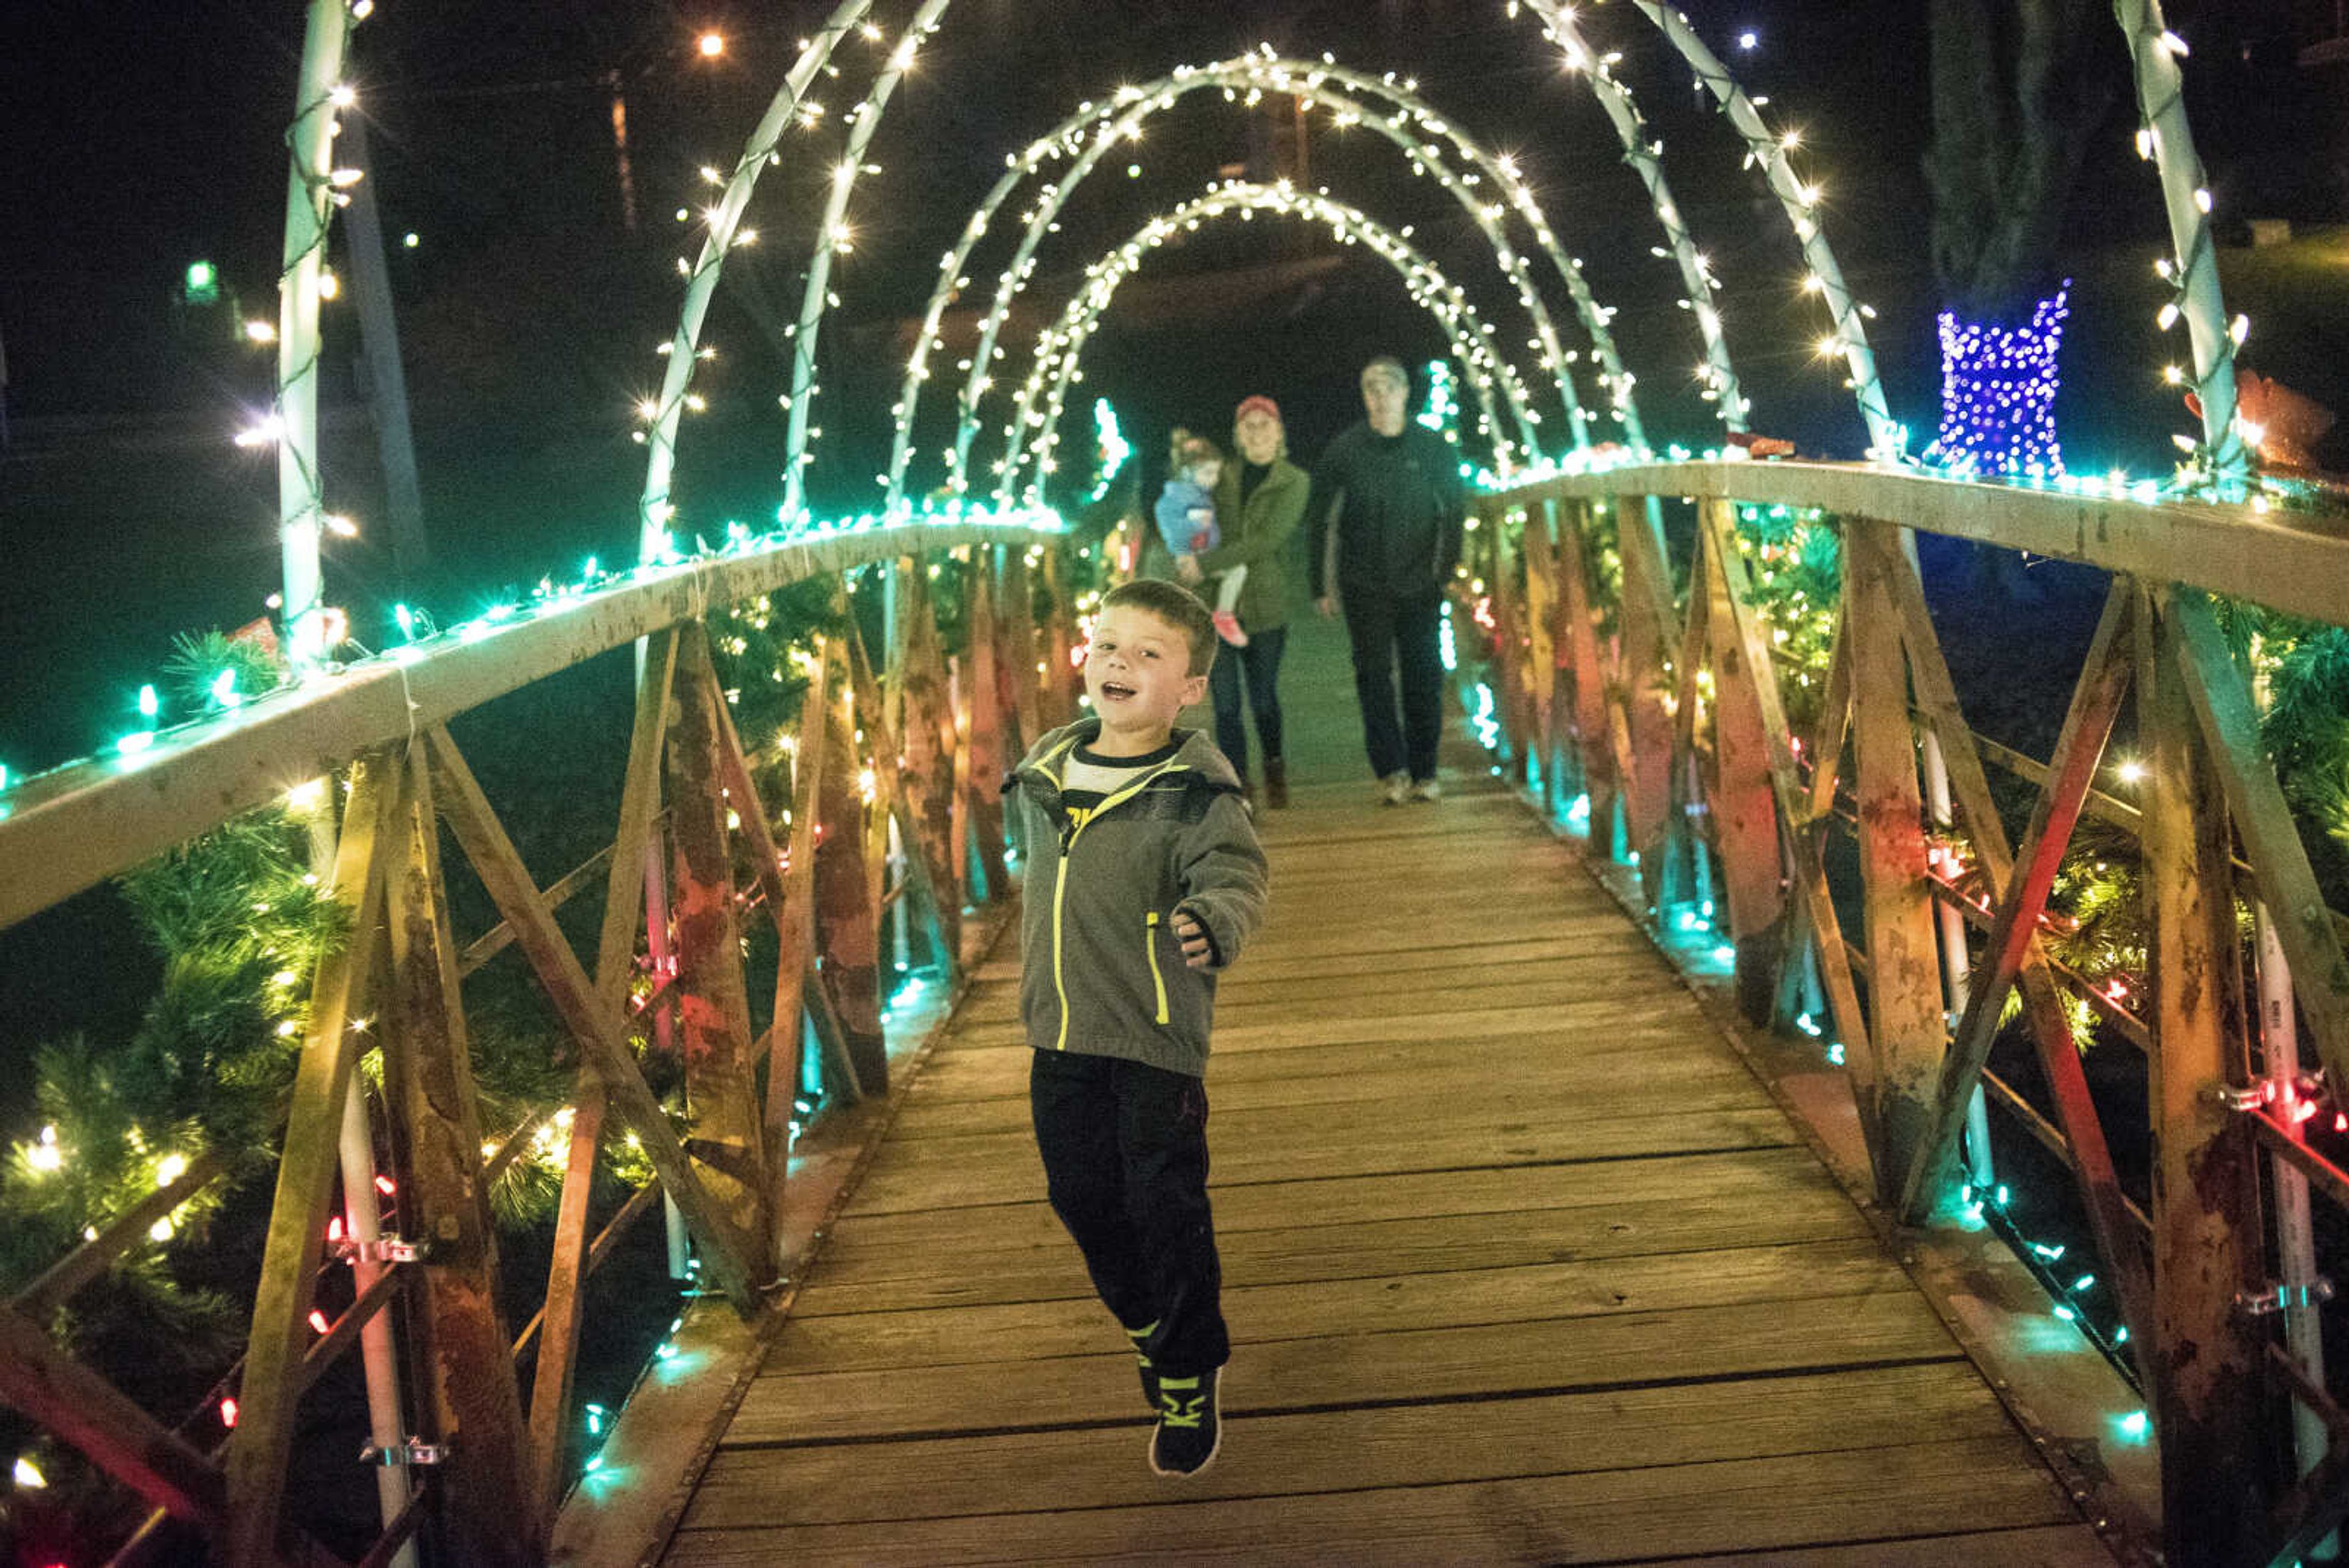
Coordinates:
[1680,1143]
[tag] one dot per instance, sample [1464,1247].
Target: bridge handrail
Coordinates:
[1659,699]
[2287,561]
[73,827]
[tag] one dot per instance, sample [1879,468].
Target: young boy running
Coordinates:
[1143,879]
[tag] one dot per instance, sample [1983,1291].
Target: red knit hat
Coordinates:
[1258,404]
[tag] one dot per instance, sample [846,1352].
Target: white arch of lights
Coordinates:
[1353,97]
[2165,138]
[833,239]
[723,222]
[1799,201]
[1700,289]
[1058,350]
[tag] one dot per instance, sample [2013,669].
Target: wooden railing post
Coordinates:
[1651,638]
[927,775]
[1742,808]
[1061,678]
[271,1391]
[485,1510]
[713,1011]
[1546,653]
[2202,1373]
[1904,979]
[1585,672]
[983,775]
[795,921]
[847,921]
[1019,644]
[615,955]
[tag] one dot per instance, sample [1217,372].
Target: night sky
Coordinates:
[139,137]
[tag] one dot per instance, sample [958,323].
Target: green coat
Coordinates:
[1256,537]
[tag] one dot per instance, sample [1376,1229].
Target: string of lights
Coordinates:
[2166,141]
[834,238]
[722,220]
[1700,287]
[1350,98]
[1059,349]
[1888,441]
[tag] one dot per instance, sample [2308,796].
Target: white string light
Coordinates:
[1059,349]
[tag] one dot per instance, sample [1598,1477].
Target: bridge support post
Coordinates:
[471,1401]
[713,1008]
[926,777]
[1651,636]
[1590,729]
[1904,981]
[983,694]
[1542,612]
[2202,1372]
[847,917]
[1744,812]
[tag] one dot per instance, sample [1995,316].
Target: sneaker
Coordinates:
[1394,789]
[1141,1337]
[1426,789]
[1190,1424]
[1227,626]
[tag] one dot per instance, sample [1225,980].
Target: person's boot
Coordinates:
[1275,783]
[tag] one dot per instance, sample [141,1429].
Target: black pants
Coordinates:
[1390,635]
[1125,1163]
[1259,661]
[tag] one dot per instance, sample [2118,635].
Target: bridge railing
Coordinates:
[894,767]
[1653,692]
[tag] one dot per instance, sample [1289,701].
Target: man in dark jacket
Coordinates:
[1388,493]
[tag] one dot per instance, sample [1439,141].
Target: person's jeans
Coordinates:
[1125,1164]
[1259,664]
[1394,636]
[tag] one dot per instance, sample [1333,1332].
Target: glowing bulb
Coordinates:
[711,45]
[28,1476]
[259,331]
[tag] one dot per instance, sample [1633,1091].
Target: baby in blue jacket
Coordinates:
[1186,515]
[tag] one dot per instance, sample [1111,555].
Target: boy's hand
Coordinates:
[1197,951]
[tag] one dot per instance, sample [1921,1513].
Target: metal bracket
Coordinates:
[415,1451]
[2283,1298]
[382,1250]
[2250,1098]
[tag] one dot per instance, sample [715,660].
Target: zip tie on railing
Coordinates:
[414,1451]
[2283,1298]
[382,1250]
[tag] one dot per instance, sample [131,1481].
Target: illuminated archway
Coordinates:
[1391,112]
[1057,351]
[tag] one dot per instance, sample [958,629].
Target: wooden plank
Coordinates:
[1356,1450]
[471,1397]
[1740,806]
[2203,1383]
[1904,991]
[732,1258]
[1555,1356]
[1325,1149]
[1263,1313]
[1601,1516]
[305,1170]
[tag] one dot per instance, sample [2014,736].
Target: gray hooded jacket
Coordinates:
[1103,971]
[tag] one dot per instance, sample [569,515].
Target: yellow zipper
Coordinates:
[1060,884]
[1150,946]
[1060,888]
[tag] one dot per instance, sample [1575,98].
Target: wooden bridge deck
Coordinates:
[1522,1266]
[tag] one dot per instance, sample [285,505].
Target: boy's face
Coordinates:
[1137,673]
[1207,471]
